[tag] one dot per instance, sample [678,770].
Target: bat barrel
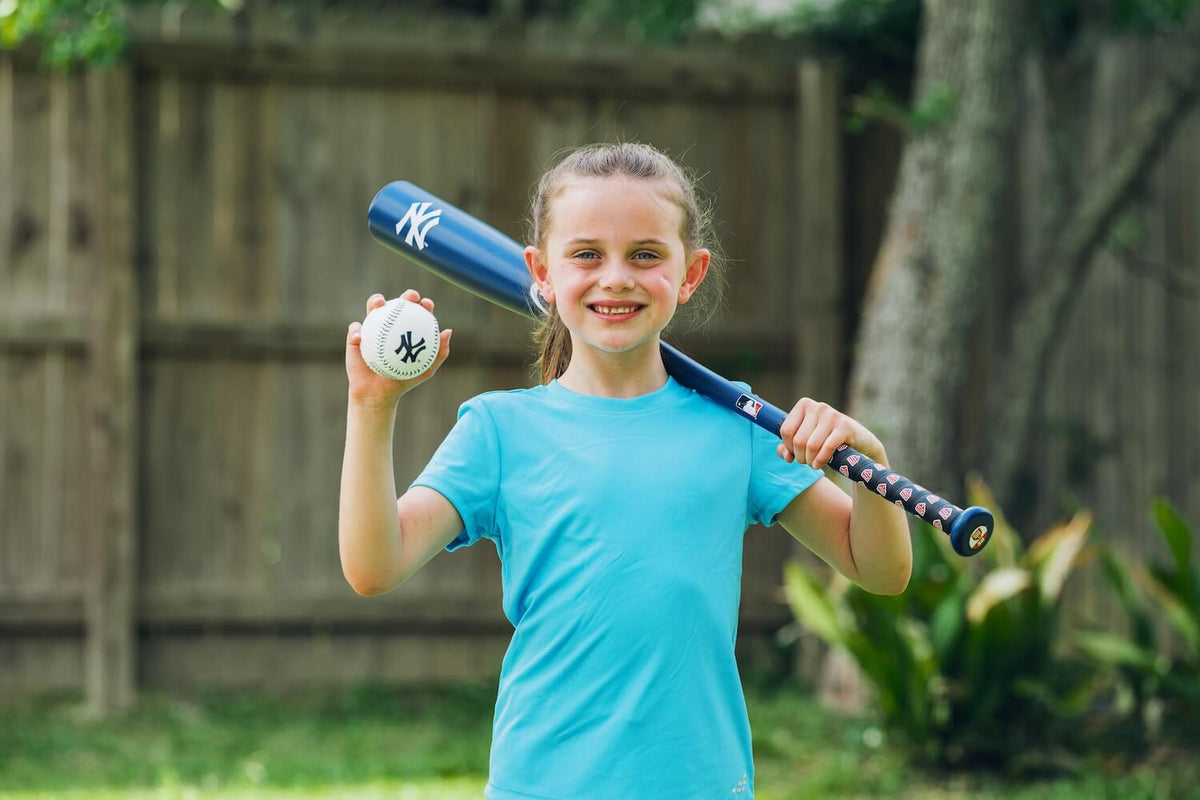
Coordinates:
[446,240]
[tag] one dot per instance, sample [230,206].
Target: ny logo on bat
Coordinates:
[420,220]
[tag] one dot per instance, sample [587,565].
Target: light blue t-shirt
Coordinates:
[619,525]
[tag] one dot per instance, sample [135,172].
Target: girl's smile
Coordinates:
[614,311]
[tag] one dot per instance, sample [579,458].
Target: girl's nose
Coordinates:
[615,275]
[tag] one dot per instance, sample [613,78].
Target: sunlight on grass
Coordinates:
[435,789]
[425,743]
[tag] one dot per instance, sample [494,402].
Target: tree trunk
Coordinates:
[911,357]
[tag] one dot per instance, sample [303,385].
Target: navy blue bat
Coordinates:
[475,256]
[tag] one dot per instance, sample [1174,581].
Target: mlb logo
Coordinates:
[749,406]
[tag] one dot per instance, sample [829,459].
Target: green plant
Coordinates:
[969,665]
[1159,677]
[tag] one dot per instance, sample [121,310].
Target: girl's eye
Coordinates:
[586,255]
[645,255]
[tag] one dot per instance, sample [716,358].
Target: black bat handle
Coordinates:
[969,529]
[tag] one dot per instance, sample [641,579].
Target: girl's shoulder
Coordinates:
[504,400]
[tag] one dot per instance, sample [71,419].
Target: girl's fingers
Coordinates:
[816,440]
[443,347]
[791,426]
[374,302]
[812,418]
[411,295]
[835,439]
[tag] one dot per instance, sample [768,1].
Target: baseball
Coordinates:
[399,339]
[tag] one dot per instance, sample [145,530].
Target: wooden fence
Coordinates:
[183,242]
[1123,395]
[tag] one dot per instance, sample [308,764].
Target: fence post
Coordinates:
[110,654]
[819,296]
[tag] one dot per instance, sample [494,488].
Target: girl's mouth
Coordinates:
[614,312]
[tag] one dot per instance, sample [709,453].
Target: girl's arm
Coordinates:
[862,535]
[382,540]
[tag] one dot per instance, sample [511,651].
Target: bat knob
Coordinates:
[972,531]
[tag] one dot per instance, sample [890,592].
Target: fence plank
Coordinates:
[8,416]
[110,646]
[817,295]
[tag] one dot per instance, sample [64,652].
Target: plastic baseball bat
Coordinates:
[475,256]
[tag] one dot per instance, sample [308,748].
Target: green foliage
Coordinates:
[1159,680]
[1148,15]
[935,107]
[659,20]
[69,31]
[1061,24]
[969,661]
[876,31]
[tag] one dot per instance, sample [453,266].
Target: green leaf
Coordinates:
[1179,539]
[947,621]
[1183,617]
[812,604]
[996,587]
[1114,650]
[1055,553]
[1123,579]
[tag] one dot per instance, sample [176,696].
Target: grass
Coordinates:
[420,745]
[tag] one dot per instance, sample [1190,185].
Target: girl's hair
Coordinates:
[628,160]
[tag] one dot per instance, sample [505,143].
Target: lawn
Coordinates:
[433,744]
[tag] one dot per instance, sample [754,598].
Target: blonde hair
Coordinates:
[630,160]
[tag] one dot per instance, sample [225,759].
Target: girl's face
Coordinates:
[614,262]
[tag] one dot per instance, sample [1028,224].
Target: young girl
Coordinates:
[617,501]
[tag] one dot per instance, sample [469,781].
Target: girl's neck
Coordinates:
[620,375]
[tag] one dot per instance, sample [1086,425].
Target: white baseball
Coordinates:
[399,339]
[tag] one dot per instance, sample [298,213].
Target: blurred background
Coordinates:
[974,226]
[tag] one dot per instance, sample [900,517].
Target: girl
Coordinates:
[617,501]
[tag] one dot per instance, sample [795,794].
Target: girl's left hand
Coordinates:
[812,431]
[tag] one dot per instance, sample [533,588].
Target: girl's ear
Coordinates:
[697,268]
[540,272]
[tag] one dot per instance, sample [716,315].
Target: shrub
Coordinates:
[969,666]
[1157,676]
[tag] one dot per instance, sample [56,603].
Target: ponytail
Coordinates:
[553,342]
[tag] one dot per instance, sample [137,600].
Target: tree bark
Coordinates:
[911,358]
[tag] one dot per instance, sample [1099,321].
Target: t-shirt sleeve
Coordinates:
[773,482]
[465,470]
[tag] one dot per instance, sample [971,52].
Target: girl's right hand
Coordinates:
[371,389]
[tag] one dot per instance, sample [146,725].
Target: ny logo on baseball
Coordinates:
[407,350]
